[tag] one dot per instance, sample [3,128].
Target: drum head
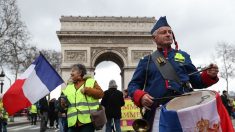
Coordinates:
[193,99]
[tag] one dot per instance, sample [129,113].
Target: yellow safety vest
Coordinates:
[179,57]
[5,114]
[33,109]
[3,111]
[78,109]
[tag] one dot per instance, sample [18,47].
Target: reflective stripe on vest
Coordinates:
[33,109]
[79,106]
[179,57]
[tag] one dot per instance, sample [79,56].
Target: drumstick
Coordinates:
[203,69]
[167,97]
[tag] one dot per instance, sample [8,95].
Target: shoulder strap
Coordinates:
[146,72]
[165,67]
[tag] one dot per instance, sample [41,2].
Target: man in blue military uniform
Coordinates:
[149,82]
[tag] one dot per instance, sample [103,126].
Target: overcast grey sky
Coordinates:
[198,24]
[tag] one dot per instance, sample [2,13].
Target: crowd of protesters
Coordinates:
[51,116]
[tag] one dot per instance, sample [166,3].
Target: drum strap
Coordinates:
[165,67]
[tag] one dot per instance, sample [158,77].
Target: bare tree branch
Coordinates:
[225,53]
[13,36]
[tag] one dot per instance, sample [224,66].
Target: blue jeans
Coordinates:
[63,125]
[111,123]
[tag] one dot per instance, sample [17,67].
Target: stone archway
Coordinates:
[91,40]
[111,55]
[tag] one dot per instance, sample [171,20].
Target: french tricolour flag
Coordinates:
[208,117]
[36,82]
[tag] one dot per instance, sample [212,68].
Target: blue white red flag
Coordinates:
[209,117]
[36,82]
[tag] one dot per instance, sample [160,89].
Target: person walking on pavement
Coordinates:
[62,117]
[33,113]
[56,114]
[52,113]
[43,108]
[3,118]
[82,97]
[113,101]
[225,101]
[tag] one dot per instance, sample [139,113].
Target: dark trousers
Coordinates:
[33,118]
[1,125]
[4,126]
[113,125]
[44,119]
[84,128]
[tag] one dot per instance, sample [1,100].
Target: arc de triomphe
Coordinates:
[91,40]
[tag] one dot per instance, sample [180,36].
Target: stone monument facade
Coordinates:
[91,40]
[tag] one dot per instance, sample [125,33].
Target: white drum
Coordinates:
[194,112]
[195,98]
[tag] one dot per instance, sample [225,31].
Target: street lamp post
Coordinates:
[2,76]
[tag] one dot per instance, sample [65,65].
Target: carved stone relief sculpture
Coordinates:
[136,55]
[75,56]
[96,50]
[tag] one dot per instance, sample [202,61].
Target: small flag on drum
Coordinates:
[201,111]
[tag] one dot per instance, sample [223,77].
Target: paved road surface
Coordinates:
[31,128]
[24,126]
[21,124]
[28,128]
